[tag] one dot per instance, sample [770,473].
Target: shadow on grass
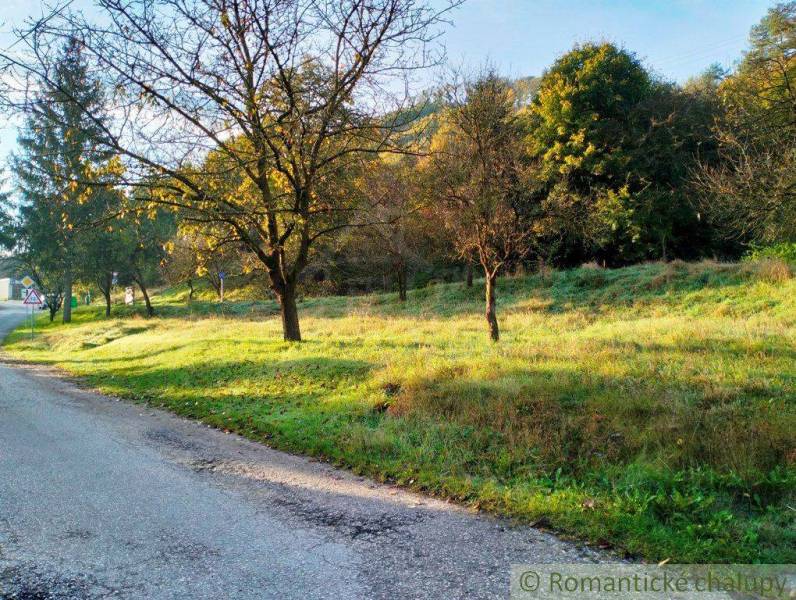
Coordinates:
[548,418]
[259,379]
[576,420]
[465,435]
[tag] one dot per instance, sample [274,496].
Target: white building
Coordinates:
[10,289]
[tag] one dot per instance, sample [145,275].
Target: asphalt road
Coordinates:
[107,499]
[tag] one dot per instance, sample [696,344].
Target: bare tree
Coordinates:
[477,173]
[751,192]
[751,188]
[392,233]
[201,251]
[285,93]
[217,264]
[182,262]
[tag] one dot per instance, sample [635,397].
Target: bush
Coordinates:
[785,251]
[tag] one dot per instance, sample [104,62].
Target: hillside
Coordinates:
[8,267]
[651,409]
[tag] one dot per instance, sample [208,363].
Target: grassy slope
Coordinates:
[652,408]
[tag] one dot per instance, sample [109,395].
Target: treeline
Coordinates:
[181,147]
[73,225]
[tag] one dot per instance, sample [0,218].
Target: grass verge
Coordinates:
[652,408]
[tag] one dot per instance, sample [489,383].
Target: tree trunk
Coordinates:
[53,304]
[67,312]
[290,321]
[401,270]
[105,288]
[469,273]
[190,287]
[491,319]
[150,311]
[216,283]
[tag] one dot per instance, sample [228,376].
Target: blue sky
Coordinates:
[675,38]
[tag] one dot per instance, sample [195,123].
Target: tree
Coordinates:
[616,149]
[216,262]
[391,235]
[38,253]
[145,237]
[580,131]
[61,171]
[103,252]
[476,170]
[673,133]
[7,238]
[216,266]
[286,92]
[751,190]
[40,258]
[182,262]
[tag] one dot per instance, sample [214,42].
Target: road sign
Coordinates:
[27,281]
[32,298]
[222,275]
[115,278]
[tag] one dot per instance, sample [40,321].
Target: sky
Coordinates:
[674,38]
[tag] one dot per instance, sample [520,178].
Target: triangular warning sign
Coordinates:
[32,298]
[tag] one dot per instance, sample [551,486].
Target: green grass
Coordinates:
[652,408]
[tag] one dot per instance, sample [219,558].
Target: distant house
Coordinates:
[10,289]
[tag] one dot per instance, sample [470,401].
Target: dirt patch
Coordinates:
[186,551]
[350,525]
[170,438]
[27,582]
[77,534]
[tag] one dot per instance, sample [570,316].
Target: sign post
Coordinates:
[32,299]
[221,277]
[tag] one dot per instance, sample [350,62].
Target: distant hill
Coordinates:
[8,267]
[423,115]
[525,89]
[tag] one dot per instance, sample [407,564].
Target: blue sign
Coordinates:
[221,275]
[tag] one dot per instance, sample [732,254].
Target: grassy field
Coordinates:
[651,409]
